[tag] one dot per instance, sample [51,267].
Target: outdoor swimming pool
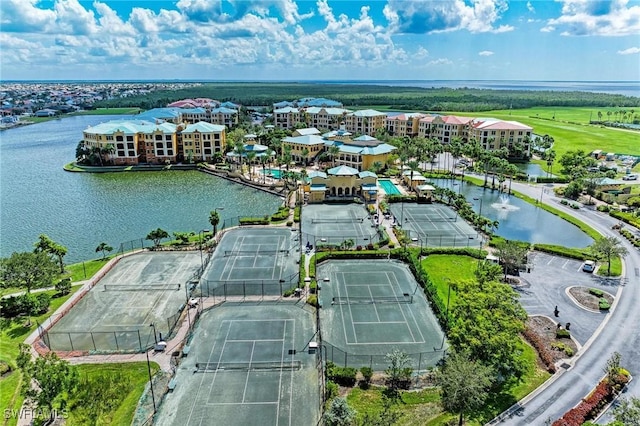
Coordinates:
[389,187]
[274,173]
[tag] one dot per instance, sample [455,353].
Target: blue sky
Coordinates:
[320,39]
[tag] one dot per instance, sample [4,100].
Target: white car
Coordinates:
[589,266]
[630,177]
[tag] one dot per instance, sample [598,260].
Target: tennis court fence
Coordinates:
[419,362]
[221,290]
[248,366]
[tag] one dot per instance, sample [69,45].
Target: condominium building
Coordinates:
[304,148]
[495,134]
[404,124]
[131,142]
[361,153]
[444,127]
[365,122]
[220,115]
[286,117]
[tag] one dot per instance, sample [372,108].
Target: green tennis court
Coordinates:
[332,224]
[247,365]
[253,262]
[371,307]
[434,225]
[140,290]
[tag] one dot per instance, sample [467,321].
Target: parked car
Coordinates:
[589,266]
[630,177]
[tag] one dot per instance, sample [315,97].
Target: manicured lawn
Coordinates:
[445,268]
[85,270]
[132,378]
[616,268]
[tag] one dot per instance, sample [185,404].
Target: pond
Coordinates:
[518,219]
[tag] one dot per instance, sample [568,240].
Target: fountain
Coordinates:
[504,204]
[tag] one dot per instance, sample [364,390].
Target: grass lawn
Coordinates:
[84,270]
[616,268]
[423,407]
[121,402]
[13,333]
[445,268]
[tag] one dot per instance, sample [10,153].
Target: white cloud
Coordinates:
[629,51]
[440,61]
[603,18]
[485,53]
[423,16]
[24,16]
[530,7]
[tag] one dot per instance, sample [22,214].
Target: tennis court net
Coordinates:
[339,220]
[343,300]
[248,366]
[431,219]
[147,287]
[228,253]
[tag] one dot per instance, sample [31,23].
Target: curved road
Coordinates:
[620,332]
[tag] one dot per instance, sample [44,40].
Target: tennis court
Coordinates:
[247,365]
[371,307]
[116,315]
[434,225]
[253,262]
[333,224]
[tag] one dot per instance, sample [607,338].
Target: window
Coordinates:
[129,138]
[167,137]
[132,153]
[130,146]
[119,146]
[159,145]
[158,137]
[160,152]
[169,152]
[119,138]
[120,153]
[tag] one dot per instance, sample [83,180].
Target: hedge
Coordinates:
[345,376]
[254,220]
[627,218]
[603,304]
[281,215]
[296,214]
[561,333]
[572,253]
[596,292]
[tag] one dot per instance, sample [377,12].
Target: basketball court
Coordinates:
[253,262]
[116,315]
[248,365]
[434,225]
[332,224]
[371,307]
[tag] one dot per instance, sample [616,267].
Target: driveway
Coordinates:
[545,287]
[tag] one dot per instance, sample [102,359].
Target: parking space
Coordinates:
[545,287]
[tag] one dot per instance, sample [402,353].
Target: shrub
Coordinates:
[289,223]
[603,208]
[63,287]
[296,214]
[331,390]
[313,300]
[596,292]
[603,304]
[313,287]
[562,333]
[367,374]
[588,408]
[280,215]
[392,245]
[254,220]
[564,202]
[545,355]
[345,376]
[575,206]
[289,292]
[4,367]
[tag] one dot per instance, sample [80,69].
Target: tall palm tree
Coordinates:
[551,156]
[305,154]
[240,149]
[214,220]
[456,150]
[251,156]
[334,150]
[413,166]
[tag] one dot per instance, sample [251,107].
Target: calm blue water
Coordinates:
[80,210]
[518,219]
[626,88]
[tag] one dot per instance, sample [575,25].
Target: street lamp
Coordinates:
[479,199]
[155,338]
[153,397]
[201,239]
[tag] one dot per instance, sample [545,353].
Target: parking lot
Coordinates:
[545,287]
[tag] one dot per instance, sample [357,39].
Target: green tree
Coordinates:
[183,237]
[27,270]
[487,324]
[627,412]
[487,272]
[339,413]
[464,384]
[104,248]
[156,236]
[48,379]
[606,248]
[214,220]
[612,368]
[551,157]
[385,417]
[512,254]
[399,371]
[47,245]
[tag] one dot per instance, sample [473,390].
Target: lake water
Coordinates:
[518,219]
[80,210]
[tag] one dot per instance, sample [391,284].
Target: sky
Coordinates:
[546,40]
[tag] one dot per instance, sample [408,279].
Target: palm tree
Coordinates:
[456,150]
[599,115]
[108,150]
[240,150]
[551,156]
[214,220]
[104,248]
[608,115]
[413,166]
[251,156]
[334,150]
[305,154]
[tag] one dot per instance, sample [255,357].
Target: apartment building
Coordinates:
[221,115]
[495,134]
[201,141]
[286,117]
[304,148]
[404,124]
[365,122]
[444,127]
[361,153]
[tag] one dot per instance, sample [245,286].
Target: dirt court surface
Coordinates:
[253,262]
[116,315]
[248,364]
[371,307]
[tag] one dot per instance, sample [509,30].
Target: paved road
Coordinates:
[620,332]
